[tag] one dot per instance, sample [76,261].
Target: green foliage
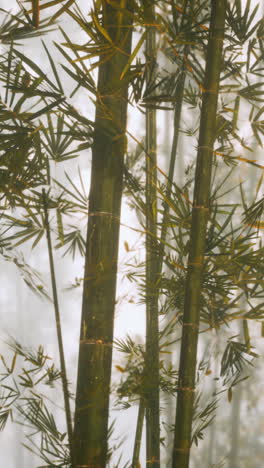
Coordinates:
[30,276]
[40,128]
[25,400]
[202,418]
[235,358]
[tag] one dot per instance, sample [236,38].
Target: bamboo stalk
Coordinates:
[179,94]
[138,436]
[99,289]
[191,317]
[176,125]
[64,380]
[212,443]
[151,381]
[243,333]
[235,426]
[165,215]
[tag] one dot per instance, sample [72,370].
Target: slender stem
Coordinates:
[152,311]
[236,404]
[66,394]
[35,13]
[200,212]
[138,436]
[179,94]
[235,426]
[176,126]
[212,444]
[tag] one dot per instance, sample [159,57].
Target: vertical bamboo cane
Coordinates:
[138,436]
[176,128]
[187,370]
[152,310]
[96,337]
[66,394]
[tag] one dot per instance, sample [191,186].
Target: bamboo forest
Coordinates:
[132,213]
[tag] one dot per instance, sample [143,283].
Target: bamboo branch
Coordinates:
[66,394]
[35,13]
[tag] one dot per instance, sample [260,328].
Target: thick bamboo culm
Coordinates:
[99,289]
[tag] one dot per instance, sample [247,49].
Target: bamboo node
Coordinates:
[104,213]
[201,207]
[91,341]
[152,461]
[185,389]
[208,90]
[190,324]
[195,263]
[205,147]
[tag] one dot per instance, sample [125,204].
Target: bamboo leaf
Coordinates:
[58,13]
[133,54]
[54,69]
[101,29]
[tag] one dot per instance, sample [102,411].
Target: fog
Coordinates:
[234,438]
